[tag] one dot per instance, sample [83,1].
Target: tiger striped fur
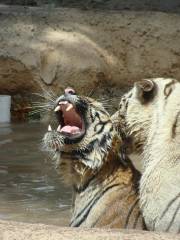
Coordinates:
[149,117]
[104,185]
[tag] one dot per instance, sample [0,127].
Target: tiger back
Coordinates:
[87,154]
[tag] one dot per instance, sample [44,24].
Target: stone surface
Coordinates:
[21,231]
[99,51]
[136,5]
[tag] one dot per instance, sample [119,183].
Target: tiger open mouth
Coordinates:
[71,123]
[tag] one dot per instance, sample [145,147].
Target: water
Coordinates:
[30,189]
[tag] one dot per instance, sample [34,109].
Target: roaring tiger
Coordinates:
[149,118]
[87,153]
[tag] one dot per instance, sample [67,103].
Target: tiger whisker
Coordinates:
[43,103]
[38,111]
[51,97]
[42,106]
[107,105]
[45,97]
[91,93]
[108,99]
[49,93]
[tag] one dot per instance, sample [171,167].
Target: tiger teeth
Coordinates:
[59,128]
[49,128]
[63,102]
[69,107]
[58,108]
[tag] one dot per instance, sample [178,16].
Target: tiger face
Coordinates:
[140,110]
[88,157]
[84,126]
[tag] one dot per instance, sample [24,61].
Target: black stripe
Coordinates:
[153,226]
[104,139]
[100,130]
[173,218]
[175,125]
[97,116]
[167,94]
[90,147]
[81,212]
[101,123]
[83,152]
[130,95]
[136,219]
[169,205]
[126,105]
[83,188]
[111,129]
[179,230]
[89,206]
[91,115]
[168,89]
[102,111]
[129,213]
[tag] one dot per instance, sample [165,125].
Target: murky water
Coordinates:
[30,189]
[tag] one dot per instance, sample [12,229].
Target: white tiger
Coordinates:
[149,115]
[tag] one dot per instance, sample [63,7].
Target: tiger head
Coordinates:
[141,109]
[83,136]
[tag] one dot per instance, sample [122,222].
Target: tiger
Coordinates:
[86,149]
[149,120]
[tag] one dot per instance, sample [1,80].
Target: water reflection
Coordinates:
[30,189]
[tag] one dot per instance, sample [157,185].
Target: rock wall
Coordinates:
[99,51]
[135,5]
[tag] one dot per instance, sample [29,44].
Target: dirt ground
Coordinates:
[20,231]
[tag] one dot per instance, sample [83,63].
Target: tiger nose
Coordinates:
[69,90]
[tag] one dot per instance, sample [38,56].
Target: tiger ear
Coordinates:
[145,90]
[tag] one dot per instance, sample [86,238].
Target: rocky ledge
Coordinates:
[102,52]
[21,231]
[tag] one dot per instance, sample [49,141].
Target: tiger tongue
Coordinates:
[70,129]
